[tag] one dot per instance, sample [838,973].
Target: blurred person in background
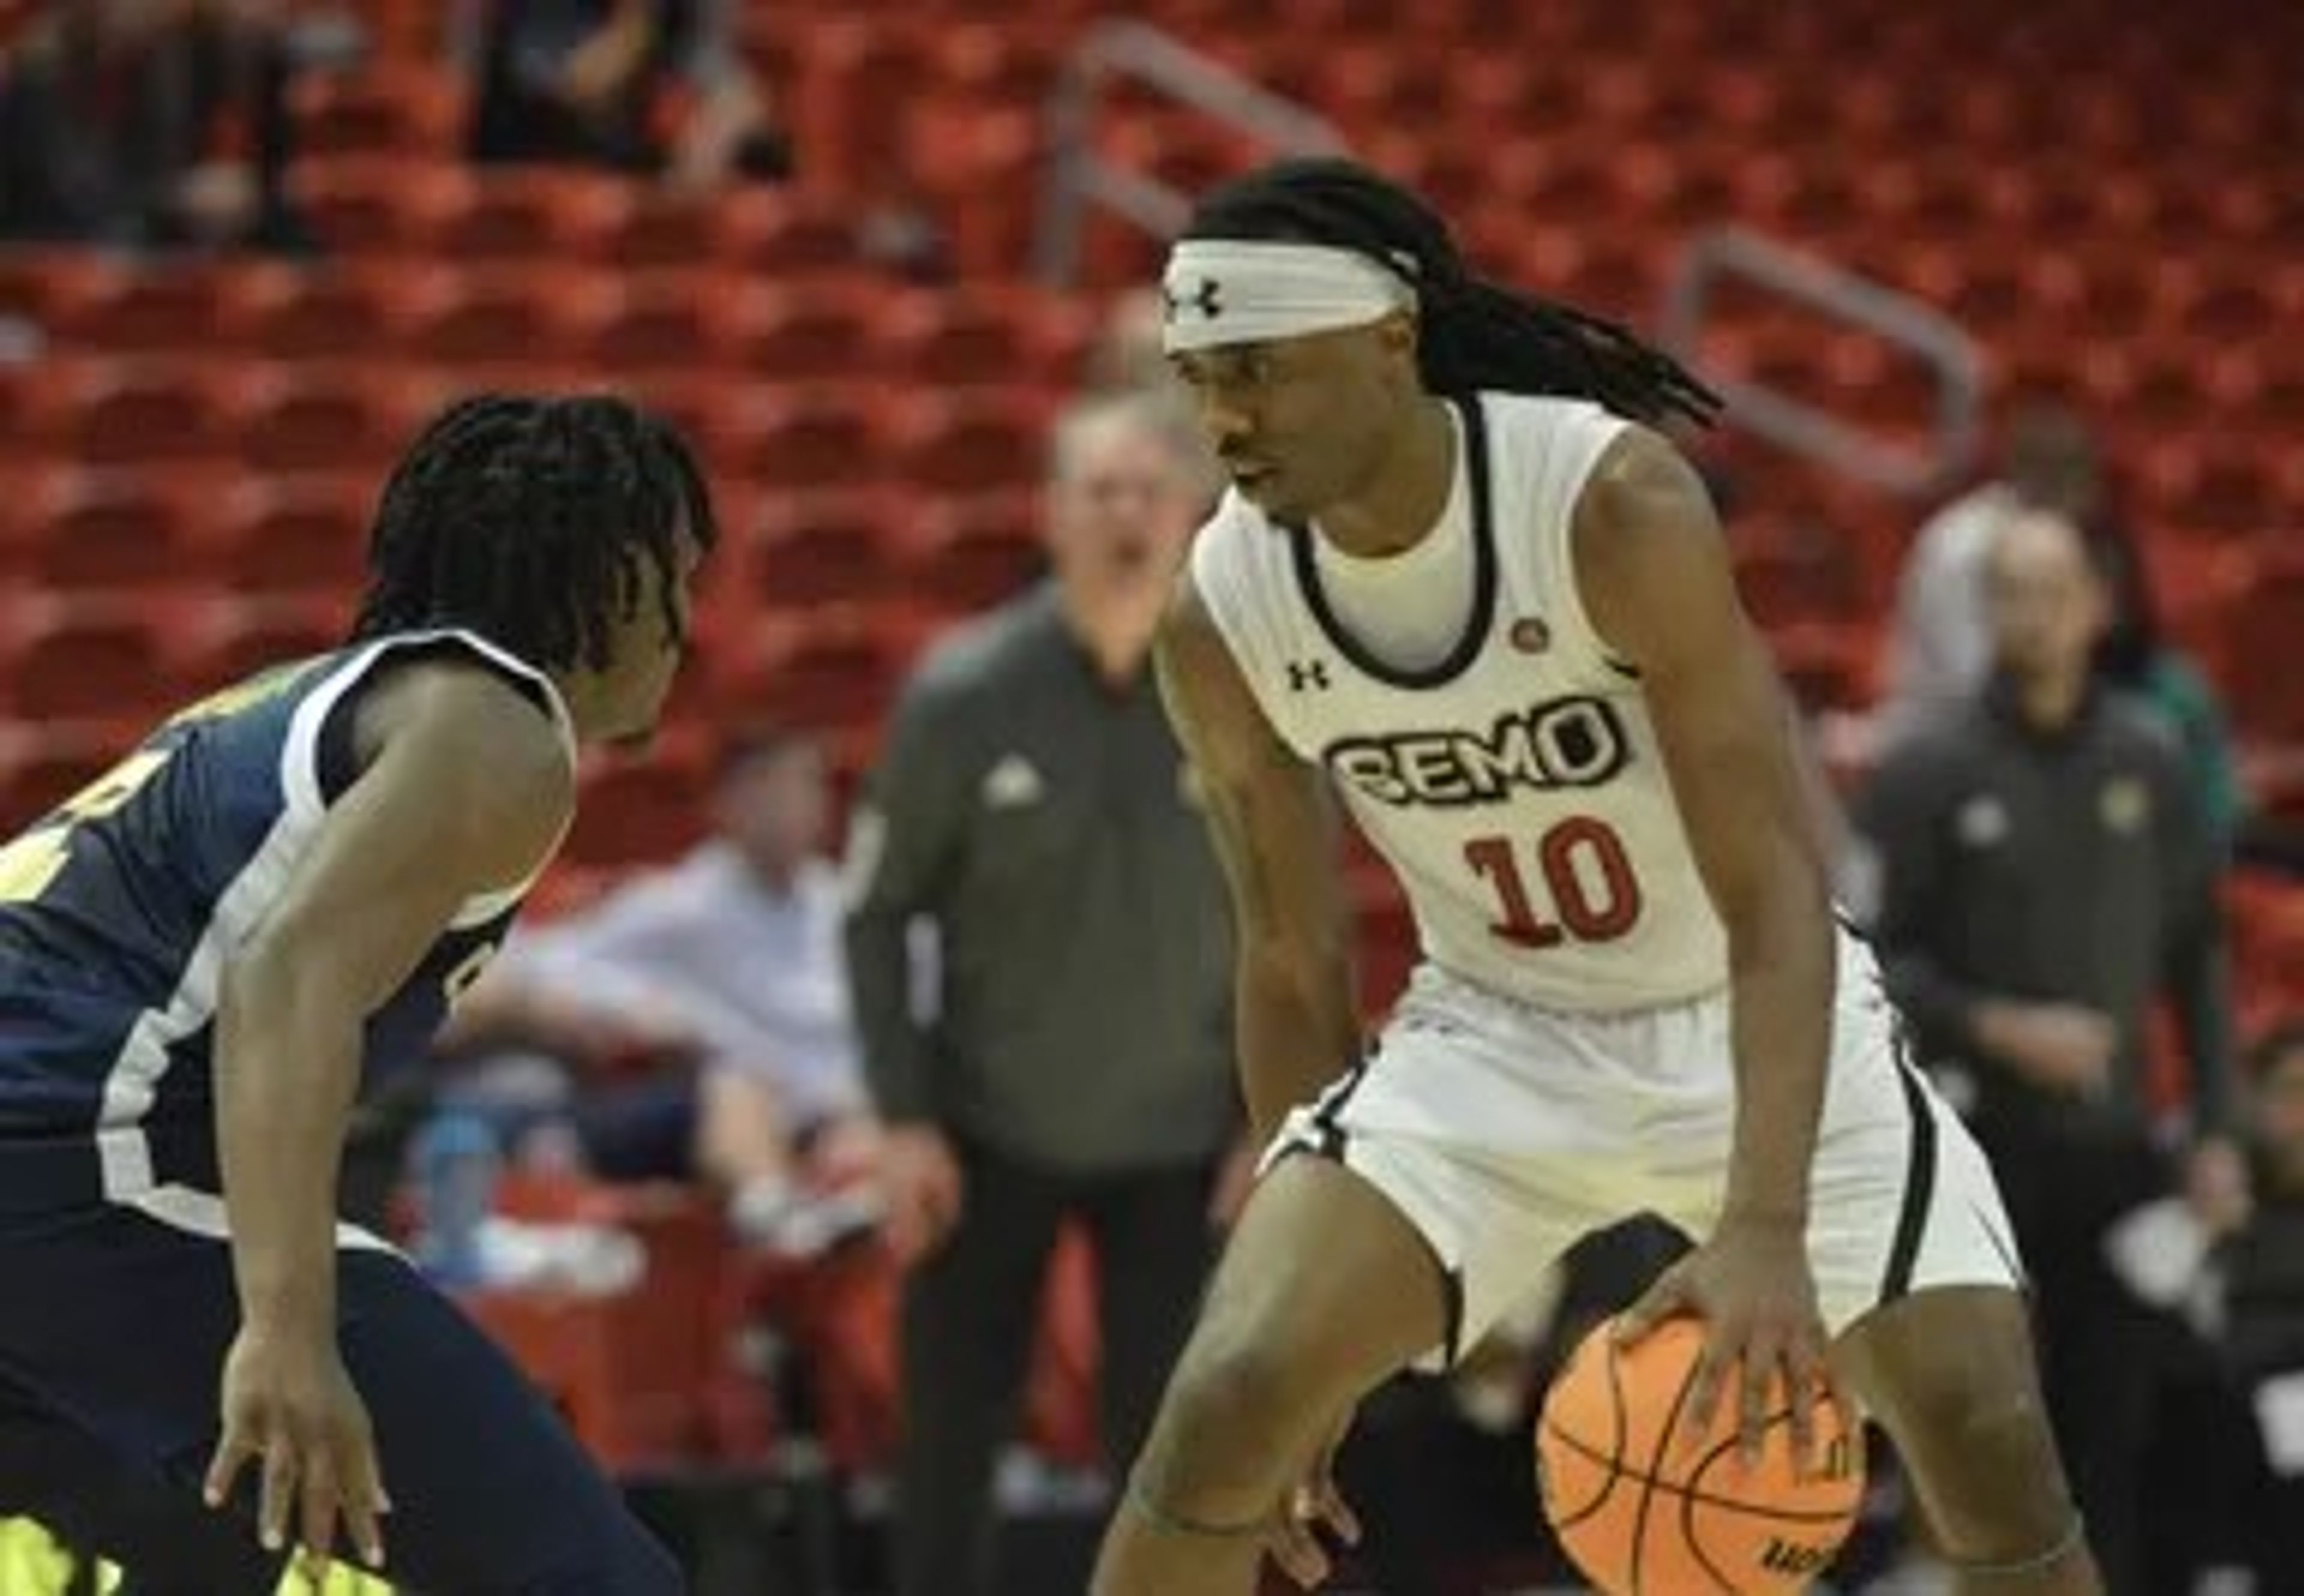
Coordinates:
[722,978]
[1941,645]
[643,86]
[2135,656]
[145,124]
[2259,1269]
[1032,807]
[2040,874]
[1125,356]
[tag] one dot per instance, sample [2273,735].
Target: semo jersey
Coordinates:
[118,909]
[1515,788]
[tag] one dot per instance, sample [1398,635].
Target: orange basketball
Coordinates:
[1644,1515]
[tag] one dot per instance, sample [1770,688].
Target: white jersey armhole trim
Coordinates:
[1584,450]
[300,767]
[1221,575]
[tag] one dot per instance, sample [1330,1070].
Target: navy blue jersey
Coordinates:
[118,909]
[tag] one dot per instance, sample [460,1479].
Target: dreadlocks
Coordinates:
[1473,334]
[526,519]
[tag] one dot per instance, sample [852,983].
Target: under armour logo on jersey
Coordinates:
[1305,675]
[1208,297]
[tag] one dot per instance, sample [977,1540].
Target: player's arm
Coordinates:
[465,790]
[1654,574]
[1274,832]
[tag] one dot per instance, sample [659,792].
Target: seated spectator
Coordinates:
[642,86]
[138,125]
[729,961]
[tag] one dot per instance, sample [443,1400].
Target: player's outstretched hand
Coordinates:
[1749,1284]
[288,1406]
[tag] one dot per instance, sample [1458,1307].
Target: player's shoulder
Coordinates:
[464,712]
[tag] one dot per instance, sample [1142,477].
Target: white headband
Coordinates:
[1220,291]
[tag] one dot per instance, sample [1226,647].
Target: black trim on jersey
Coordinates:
[1920,1179]
[1451,1310]
[1484,577]
[336,752]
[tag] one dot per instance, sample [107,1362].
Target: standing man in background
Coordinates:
[2042,874]
[1032,806]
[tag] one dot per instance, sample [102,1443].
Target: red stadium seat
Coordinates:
[780,233]
[98,530]
[828,669]
[331,419]
[638,810]
[973,337]
[382,109]
[46,761]
[291,536]
[814,548]
[230,638]
[630,1372]
[537,311]
[167,308]
[328,313]
[813,438]
[531,214]
[83,659]
[133,412]
[781,332]
[974,441]
[389,203]
[971,553]
[2264,621]
[670,320]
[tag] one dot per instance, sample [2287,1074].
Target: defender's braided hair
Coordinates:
[526,520]
[1472,333]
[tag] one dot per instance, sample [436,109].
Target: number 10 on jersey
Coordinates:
[1590,892]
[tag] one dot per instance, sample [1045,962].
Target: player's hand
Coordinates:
[1750,1285]
[1313,1506]
[2059,1047]
[288,1406]
[921,1190]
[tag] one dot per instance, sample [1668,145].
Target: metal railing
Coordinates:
[1080,181]
[1937,343]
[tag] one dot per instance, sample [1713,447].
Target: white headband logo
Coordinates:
[1217,292]
[1206,300]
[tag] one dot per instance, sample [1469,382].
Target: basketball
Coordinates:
[1644,1515]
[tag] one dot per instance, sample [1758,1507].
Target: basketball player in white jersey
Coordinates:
[1459,579]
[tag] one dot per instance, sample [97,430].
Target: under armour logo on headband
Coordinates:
[1254,290]
[1208,297]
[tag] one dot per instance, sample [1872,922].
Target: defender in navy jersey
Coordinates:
[204,954]
[1459,585]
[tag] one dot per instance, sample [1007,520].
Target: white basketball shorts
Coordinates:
[1504,1132]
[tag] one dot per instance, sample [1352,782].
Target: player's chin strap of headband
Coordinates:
[1220,291]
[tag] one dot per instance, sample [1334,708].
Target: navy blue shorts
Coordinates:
[113,1332]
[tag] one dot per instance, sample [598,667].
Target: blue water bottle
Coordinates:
[455,1162]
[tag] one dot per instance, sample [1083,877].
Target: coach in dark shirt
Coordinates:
[2042,875]
[1032,806]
